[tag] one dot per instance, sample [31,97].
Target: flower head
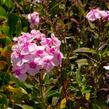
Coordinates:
[33,52]
[96,14]
[33,19]
[106,67]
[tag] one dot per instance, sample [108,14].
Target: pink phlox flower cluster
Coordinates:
[96,14]
[33,19]
[33,52]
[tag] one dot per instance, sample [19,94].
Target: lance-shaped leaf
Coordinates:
[82,62]
[3,13]
[84,50]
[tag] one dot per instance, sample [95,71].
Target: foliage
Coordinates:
[81,82]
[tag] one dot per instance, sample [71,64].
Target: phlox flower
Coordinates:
[47,63]
[20,72]
[40,51]
[56,42]
[33,67]
[33,52]
[18,59]
[58,58]
[33,19]
[27,48]
[106,67]
[93,15]
[96,14]
[37,35]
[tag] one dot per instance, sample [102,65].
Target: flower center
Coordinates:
[17,72]
[32,65]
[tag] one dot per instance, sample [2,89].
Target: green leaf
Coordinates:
[95,106]
[2,65]
[53,93]
[4,29]
[3,14]
[54,100]
[8,3]
[28,86]
[78,77]
[3,1]
[84,50]
[47,79]
[54,7]
[4,78]
[25,106]
[5,40]
[3,99]
[92,25]
[62,6]
[82,62]
[12,21]
[99,104]
[18,27]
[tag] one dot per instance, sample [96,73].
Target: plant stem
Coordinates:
[43,103]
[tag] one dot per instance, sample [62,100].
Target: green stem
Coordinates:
[43,103]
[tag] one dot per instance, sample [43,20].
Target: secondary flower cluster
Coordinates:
[33,52]
[96,14]
[33,19]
